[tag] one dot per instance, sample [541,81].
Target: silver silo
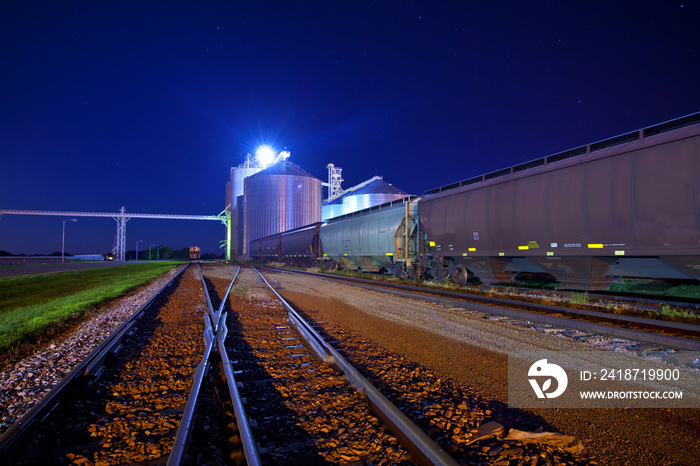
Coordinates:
[332,208]
[234,191]
[376,192]
[280,198]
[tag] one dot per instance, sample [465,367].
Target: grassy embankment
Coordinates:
[31,305]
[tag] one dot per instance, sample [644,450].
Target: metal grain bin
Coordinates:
[376,192]
[280,198]
[234,192]
[574,215]
[331,209]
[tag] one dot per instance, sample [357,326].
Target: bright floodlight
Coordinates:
[265,156]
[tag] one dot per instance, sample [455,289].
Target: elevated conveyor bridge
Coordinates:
[121,218]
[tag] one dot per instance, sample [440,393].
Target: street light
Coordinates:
[149,251]
[137,249]
[63,240]
[158,257]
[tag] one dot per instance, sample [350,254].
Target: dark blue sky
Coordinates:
[148,104]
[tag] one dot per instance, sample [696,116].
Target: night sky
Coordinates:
[148,104]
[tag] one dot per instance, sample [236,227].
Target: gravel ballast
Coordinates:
[473,351]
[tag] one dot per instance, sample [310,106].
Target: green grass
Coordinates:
[657,288]
[31,305]
[580,299]
[669,311]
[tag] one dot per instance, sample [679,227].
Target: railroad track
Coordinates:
[128,400]
[153,390]
[458,421]
[150,392]
[226,376]
[675,335]
[304,402]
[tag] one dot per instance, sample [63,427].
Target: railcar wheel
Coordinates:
[458,274]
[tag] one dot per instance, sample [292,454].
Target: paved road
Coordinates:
[15,270]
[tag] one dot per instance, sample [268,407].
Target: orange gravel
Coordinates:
[630,436]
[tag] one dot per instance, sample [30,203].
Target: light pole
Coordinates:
[149,251]
[137,248]
[158,256]
[63,240]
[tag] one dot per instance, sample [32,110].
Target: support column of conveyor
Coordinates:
[120,247]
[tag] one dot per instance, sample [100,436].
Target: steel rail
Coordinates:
[211,337]
[91,365]
[184,429]
[250,448]
[213,315]
[525,311]
[422,447]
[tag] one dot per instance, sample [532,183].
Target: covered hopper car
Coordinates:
[379,238]
[628,206]
[301,246]
[373,240]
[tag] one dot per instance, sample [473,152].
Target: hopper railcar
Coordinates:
[266,249]
[383,238]
[301,246]
[627,206]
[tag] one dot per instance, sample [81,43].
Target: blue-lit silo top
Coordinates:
[375,193]
[332,208]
